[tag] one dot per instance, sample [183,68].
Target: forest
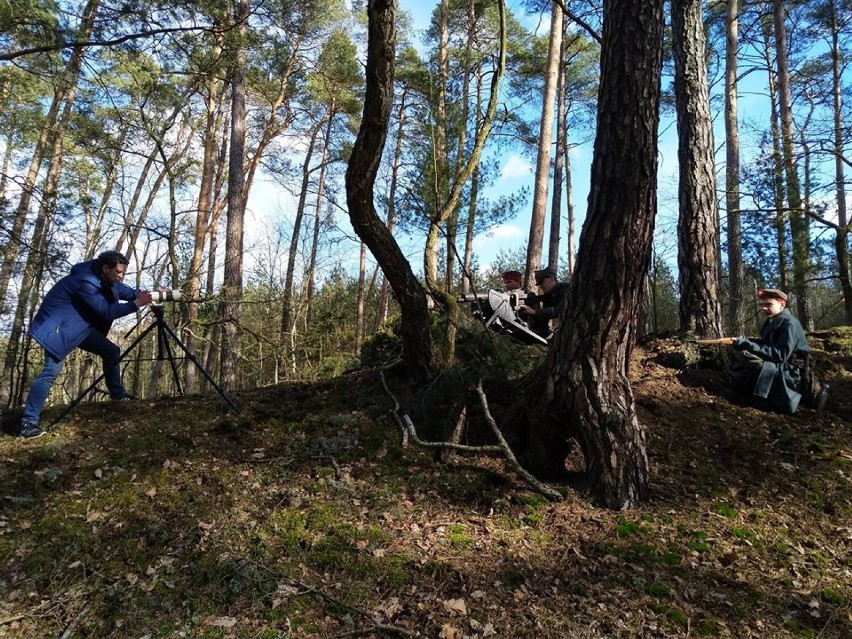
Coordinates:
[153,129]
[313,179]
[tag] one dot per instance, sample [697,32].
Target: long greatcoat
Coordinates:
[780,378]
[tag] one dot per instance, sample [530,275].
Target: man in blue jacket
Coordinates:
[772,367]
[77,312]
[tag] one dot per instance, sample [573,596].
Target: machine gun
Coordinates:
[499,311]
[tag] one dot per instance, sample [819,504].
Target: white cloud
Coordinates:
[504,232]
[516,167]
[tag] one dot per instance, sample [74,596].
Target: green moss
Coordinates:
[657,589]
[725,509]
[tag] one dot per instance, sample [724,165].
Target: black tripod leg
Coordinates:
[171,357]
[80,397]
[191,358]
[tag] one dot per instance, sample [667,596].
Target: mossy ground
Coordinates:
[301,516]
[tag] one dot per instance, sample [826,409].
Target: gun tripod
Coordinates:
[164,352]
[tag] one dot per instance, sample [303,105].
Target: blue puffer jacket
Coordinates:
[77,304]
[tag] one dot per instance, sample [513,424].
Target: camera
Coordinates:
[158,297]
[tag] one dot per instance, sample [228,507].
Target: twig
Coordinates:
[541,487]
[69,630]
[379,627]
[306,589]
[8,620]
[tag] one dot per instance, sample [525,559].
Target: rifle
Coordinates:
[721,341]
[499,311]
[514,298]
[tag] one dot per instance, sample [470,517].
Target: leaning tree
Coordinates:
[582,390]
[360,178]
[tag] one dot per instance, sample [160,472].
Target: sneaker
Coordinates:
[30,431]
[821,398]
[125,398]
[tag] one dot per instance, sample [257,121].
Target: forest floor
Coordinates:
[301,516]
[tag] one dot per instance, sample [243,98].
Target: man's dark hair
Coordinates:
[111,258]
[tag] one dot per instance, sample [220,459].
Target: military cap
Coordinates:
[772,293]
[543,273]
[512,276]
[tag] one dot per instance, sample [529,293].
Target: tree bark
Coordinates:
[736,270]
[360,179]
[841,245]
[698,233]
[583,385]
[798,223]
[232,285]
[542,168]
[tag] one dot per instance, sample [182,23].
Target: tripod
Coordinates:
[164,351]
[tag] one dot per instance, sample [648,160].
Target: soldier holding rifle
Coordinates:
[775,368]
[539,314]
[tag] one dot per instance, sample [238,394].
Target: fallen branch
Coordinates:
[541,487]
[69,630]
[408,430]
[394,630]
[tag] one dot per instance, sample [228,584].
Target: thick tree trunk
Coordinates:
[584,392]
[698,233]
[360,178]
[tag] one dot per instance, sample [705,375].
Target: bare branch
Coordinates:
[579,21]
[71,44]
[408,430]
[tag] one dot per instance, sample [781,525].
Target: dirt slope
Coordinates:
[301,516]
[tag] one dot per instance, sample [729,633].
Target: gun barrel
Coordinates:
[474,297]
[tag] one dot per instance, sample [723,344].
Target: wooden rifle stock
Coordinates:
[722,341]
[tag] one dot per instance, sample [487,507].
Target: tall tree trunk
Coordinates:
[542,167]
[583,390]
[736,270]
[288,294]
[52,134]
[698,233]
[559,160]
[312,257]
[360,179]
[798,224]
[569,209]
[232,285]
[780,220]
[37,257]
[361,320]
[841,245]
[214,103]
